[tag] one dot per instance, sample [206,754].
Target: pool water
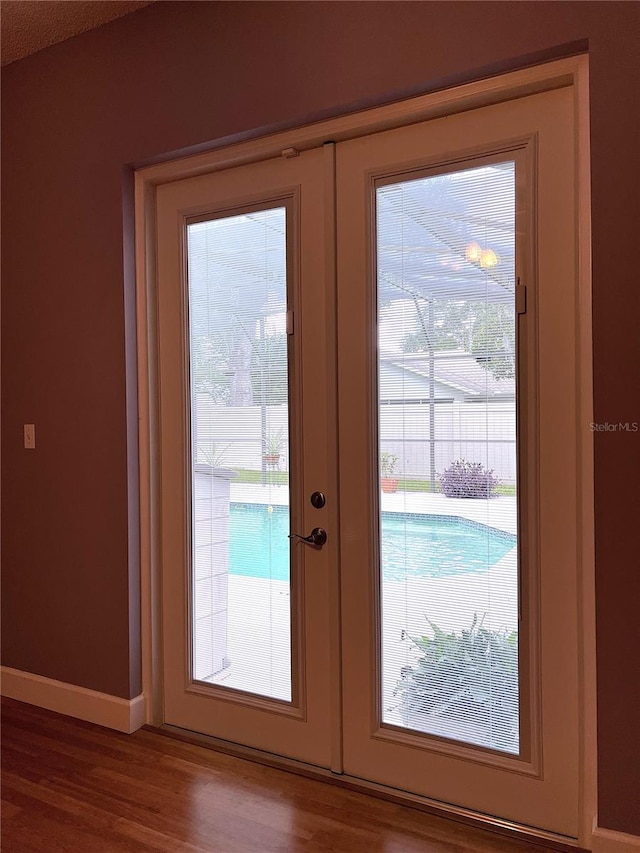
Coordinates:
[412,545]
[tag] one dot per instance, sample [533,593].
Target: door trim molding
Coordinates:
[570,72]
[481,93]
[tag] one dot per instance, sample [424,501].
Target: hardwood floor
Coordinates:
[73,786]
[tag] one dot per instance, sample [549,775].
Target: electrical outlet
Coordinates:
[30,436]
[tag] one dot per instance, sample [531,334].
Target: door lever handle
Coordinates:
[317,538]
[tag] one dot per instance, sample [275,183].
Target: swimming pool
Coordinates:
[412,545]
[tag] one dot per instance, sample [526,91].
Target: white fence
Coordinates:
[235,436]
[478,432]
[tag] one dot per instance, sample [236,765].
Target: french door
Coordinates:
[367,408]
[244,415]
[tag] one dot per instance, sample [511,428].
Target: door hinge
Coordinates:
[521,298]
[289,322]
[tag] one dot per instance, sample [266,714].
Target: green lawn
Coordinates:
[413,485]
[245,475]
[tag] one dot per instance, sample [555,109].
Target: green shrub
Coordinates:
[466,676]
[468,480]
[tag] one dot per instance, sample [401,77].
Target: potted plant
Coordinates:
[273,445]
[388,466]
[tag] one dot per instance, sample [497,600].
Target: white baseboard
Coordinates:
[608,841]
[124,715]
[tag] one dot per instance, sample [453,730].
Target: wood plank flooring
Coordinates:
[73,786]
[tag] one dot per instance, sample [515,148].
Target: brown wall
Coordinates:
[178,74]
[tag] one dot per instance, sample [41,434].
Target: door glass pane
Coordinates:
[447,453]
[240,452]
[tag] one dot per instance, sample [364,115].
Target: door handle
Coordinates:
[316,538]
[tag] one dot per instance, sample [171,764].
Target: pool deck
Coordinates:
[259,608]
[499,512]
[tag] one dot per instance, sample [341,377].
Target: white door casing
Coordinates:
[363,754]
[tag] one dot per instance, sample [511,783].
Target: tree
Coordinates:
[269,373]
[487,331]
[237,278]
[209,363]
[452,326]
[445,242]
[493,344]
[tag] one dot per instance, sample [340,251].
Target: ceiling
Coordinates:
[28,26]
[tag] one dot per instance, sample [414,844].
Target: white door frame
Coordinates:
[573,72]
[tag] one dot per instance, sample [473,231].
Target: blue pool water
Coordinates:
[412,545]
